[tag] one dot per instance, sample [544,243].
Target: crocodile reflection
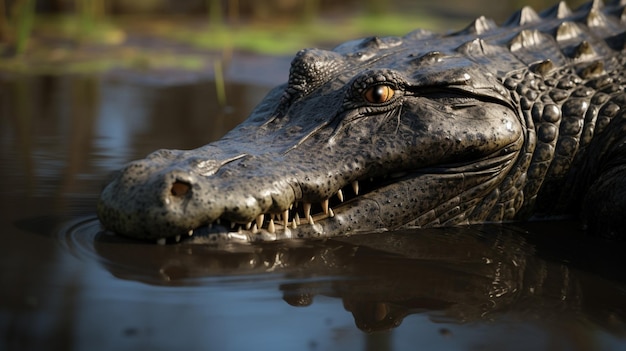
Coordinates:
[453,275]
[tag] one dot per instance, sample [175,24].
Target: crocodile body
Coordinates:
[492,123]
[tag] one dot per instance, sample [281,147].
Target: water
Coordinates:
[67,285]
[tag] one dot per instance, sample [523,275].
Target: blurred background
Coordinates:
[57,36]
[89,85]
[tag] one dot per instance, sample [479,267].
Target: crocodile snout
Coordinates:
[149,199]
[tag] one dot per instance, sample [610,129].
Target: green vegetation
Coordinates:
[88,38]
[288,38]
[16,23]
[220,86]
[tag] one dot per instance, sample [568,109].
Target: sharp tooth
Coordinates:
[340,195]
[293,224]
[355,187]
[286,217]
[291,207]
[331,213]
[296,219]
[311,220]
[270,227]
[232,225]
[259,220]
[325,206]
[248,225]
[255,229]
[307,210]
[177,238]
[190,232]
[160,241]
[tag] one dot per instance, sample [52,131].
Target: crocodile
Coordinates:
[493,123]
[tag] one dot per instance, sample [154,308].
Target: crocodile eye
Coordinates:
[379,94]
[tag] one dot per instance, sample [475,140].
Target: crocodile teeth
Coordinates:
[307,210]
[270,227]
[290,218]
[286,217]
[325,206]
[259,220]
[355,187]
[340,195]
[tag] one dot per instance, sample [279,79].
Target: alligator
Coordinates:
[487,124]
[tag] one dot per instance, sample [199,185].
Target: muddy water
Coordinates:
[65,284]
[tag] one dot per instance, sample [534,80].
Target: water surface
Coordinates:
[66,284]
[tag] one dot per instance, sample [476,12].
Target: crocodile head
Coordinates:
[376,134]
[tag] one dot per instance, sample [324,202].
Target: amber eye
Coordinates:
[379,94]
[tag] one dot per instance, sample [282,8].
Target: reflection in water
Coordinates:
[59,138]
[86,289]
[482,273]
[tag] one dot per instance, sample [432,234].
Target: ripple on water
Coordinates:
[465,274]
[78,237]
[186,263]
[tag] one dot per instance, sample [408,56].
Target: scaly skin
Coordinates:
[487,124]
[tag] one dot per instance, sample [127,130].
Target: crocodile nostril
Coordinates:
[180,188]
